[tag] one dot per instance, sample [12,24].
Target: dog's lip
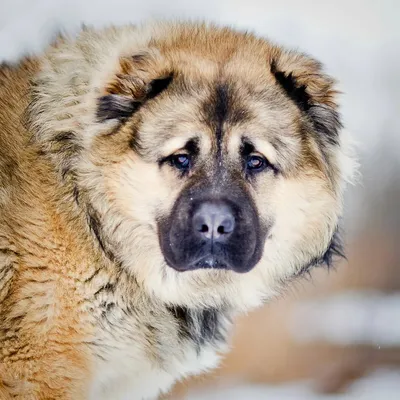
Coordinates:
[208,261]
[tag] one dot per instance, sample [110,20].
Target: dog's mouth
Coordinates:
[210,261]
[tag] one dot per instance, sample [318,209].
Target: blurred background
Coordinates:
[337,334]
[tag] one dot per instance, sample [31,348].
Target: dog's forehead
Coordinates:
[217,112]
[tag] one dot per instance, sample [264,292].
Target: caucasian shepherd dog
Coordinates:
[154,183]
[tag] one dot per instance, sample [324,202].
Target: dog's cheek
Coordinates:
[264,194]
[139,190]
[306,216]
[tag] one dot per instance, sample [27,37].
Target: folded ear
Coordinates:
[140,78]
[303,80]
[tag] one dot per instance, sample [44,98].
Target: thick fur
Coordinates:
[89,309]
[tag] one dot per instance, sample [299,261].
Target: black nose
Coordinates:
[213,220]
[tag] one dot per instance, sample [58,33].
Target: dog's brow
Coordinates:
[188,143]
[174,144]
[262,146]
[265,147]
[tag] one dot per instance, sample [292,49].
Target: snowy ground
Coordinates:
[383,384]
[351,318]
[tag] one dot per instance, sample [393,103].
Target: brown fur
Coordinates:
[82,278]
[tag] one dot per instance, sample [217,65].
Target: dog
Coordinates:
[155,182]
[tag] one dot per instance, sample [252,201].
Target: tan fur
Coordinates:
[84,314]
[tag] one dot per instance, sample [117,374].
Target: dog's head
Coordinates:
[210,161]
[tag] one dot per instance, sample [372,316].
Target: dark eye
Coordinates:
[255,163]
[181,161]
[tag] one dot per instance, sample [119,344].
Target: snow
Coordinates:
[382,384]
[349,318]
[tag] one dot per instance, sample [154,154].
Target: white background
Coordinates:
[358,41]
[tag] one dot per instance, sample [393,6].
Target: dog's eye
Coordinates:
[256,163]
[181,161]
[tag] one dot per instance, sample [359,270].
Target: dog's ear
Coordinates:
[140,78]
[303,80]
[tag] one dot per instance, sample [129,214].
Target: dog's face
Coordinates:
[217,175]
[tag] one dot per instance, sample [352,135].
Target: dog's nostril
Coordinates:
[204,228]
[214,221]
